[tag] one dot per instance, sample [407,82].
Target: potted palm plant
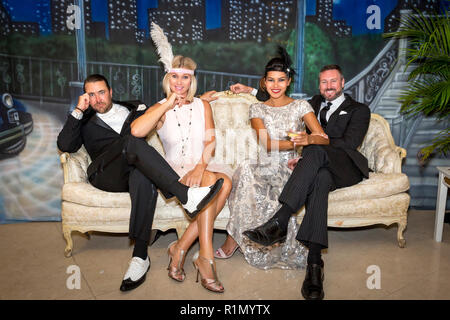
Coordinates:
[429,83]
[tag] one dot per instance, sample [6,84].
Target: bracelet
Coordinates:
[79,109]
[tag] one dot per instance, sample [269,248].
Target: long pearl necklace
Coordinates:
[184,140]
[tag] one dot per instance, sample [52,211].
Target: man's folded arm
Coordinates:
[69,139]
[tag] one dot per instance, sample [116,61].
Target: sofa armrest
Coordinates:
[379,147]
[75,165]
[388,159]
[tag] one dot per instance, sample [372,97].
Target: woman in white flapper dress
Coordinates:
[185,126]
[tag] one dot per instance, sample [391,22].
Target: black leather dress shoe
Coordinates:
[267,234]
[312,288]
[136,274]
[129,284]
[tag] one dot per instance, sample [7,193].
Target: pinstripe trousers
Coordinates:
[309,184]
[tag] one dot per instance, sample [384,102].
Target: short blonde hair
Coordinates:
[185,63]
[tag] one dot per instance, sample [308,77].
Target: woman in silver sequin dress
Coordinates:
[257,185]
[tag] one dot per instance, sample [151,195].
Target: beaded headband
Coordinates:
[181,70]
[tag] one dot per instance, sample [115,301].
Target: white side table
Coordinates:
[444,172]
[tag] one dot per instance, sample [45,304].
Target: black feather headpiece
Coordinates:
[287,61]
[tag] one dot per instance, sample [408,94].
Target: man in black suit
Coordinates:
[322,169]
[124,163]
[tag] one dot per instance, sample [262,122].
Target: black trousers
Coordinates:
[131,165]
[310,183]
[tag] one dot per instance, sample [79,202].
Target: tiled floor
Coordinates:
[33,266]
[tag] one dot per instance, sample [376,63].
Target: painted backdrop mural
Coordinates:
[48,46]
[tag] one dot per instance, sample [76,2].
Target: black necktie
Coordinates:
[323,115]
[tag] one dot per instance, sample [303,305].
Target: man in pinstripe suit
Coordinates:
[322,169]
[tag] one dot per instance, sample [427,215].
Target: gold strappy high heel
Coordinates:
[210,284]
[176,273]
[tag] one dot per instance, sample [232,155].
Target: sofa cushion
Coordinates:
[105,218]
[86,194]
[369,211]
[378,185]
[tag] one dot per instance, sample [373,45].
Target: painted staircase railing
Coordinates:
[365,86]
[371,85]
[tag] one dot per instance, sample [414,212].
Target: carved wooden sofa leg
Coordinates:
[181,228]
[67,231]
[401,227]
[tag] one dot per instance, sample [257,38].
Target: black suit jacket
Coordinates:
[346,130]
[103,144]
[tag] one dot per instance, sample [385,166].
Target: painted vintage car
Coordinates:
[15,125]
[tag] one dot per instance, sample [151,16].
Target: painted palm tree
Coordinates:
[429,82]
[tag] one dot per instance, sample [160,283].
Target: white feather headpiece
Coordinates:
[164,50]
[163,46]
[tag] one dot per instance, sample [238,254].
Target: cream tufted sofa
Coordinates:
[381,199]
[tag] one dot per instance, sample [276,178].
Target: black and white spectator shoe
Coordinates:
[135,274]
[199,197]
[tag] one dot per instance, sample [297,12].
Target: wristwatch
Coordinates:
[77,113]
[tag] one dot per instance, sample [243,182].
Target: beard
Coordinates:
[331,94]
[102,107]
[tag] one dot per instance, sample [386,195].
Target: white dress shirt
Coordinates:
[114,118]
[334,105]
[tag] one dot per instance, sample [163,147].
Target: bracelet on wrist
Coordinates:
[79,109]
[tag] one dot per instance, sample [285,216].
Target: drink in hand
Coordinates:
[292,134]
